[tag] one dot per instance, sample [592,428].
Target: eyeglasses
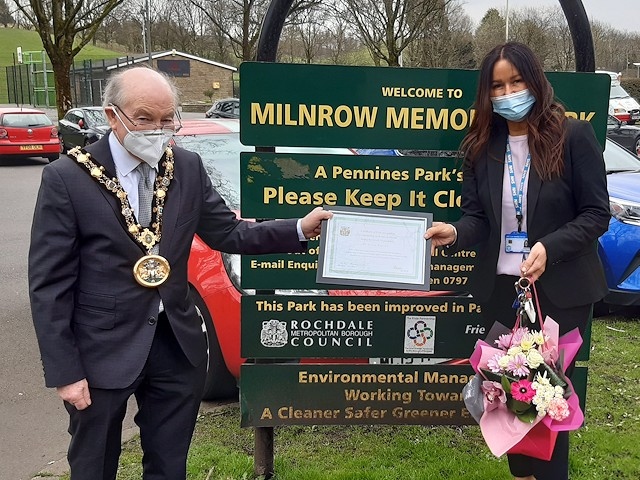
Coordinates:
[148,124]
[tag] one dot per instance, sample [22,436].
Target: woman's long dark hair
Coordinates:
[546,133]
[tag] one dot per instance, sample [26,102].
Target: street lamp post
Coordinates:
[148,24]
[506,24]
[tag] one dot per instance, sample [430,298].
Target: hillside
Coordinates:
[29,40]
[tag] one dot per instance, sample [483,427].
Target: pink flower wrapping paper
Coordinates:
[501,428]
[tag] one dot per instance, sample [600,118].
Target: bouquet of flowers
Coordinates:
[519,384]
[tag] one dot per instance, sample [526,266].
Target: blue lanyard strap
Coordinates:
[517,194]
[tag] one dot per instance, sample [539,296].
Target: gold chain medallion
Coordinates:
[150,270]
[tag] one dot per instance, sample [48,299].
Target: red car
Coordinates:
[214,276]
[29,133]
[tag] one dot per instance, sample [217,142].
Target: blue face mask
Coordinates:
[515,106]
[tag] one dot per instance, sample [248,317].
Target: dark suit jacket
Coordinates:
[90,315]
[567,215]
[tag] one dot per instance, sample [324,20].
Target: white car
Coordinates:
[621,105]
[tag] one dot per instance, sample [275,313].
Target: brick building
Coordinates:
[193,76]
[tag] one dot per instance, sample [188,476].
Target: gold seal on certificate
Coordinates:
[151,270]
[375,248]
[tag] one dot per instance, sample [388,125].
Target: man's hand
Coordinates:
[536,263]
[311,224]
[441,234]
[77,394]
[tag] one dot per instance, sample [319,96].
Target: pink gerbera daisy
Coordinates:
[522,391]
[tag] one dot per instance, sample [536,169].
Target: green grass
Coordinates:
[29,40]
[606,448]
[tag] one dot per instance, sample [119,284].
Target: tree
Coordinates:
[5,14]
[561,53]
[489,33]
[65,26]
[447,43]
[388,27]
[240,20]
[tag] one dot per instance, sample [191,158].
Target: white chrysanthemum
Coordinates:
[542,379]
[513,351]
[534,358]
[538,337]
[558,391]
[504,361]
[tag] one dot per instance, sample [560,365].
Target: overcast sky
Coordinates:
[620,14]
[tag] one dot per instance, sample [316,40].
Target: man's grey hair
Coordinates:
[115,93]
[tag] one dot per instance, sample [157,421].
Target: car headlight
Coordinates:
[625,211]
[232,266]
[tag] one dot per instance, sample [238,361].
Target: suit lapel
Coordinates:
[533,191]
[495,171]
[171,209]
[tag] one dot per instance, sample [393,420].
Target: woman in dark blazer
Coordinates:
[530,173]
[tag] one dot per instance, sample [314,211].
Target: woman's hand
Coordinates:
[441,234]
[536,263]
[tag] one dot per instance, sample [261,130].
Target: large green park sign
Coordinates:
[421,115]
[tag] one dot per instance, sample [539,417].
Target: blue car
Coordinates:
[619,247]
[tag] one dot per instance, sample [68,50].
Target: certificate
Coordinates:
[375,248]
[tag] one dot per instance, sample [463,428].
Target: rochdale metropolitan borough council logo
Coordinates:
[274,333]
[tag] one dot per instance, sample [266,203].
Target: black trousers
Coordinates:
[168,393]
[500,308]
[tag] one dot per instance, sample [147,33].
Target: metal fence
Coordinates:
[33,83]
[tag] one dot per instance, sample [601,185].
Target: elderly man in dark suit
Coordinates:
[111,236]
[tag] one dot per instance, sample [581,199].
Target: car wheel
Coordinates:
[636,146]
[220,384]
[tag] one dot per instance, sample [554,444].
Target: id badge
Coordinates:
[516,242]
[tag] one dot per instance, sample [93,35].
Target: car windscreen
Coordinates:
[221,158]
[24,120]
[618,92]
[618,159]
[95,117]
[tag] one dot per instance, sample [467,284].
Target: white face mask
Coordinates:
[147,145]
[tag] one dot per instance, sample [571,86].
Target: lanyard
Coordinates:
[517,194]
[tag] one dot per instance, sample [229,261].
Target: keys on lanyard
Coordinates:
[524,301]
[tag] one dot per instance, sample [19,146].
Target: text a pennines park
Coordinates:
[411,121]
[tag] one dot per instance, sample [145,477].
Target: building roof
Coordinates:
[121,62]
